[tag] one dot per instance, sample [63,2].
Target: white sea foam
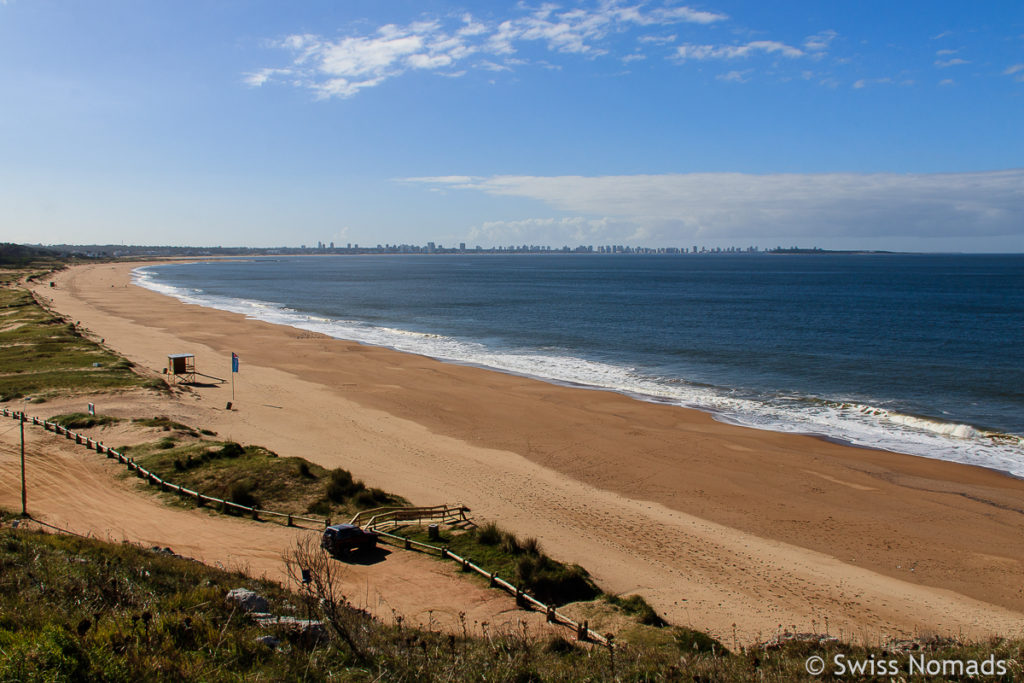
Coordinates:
[850,421]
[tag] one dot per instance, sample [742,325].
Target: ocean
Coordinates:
[919,354]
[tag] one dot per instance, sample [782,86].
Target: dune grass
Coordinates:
[255,476]
[520,562]
[83,420]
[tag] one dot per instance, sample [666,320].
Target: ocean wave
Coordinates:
[854,422]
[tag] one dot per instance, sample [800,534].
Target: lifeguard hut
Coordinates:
[181,368]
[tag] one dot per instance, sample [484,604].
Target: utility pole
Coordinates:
[21,424]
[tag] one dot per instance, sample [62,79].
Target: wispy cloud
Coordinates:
[691,51]
[1016,71]
[669,208]
[734,76]
[820,42]
[956,61]
[885,80]
[344,66]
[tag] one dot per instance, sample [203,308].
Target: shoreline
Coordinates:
[715,524]
[851,422]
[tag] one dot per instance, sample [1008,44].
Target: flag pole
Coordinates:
[24,509]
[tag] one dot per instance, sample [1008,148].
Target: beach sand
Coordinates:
[735,531]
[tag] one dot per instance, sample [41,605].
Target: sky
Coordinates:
[840,125]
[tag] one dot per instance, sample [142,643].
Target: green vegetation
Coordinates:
[83,420]
[638,607]
[254,476]
[75,609]
[44,355]
[519,562]
[16,256]
[165,423]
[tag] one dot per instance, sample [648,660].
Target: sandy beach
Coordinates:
[722,528]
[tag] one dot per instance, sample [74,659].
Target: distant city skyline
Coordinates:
[579,122]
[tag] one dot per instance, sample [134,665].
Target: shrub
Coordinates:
[488,534]
[341,486]
[552,582]
[510,544]
[365,499]
[242,494]
[320,507]
[230,450]
[637,606]
[689,640]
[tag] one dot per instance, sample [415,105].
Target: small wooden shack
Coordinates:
[181,368]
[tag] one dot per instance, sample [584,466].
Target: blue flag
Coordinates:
[234,362]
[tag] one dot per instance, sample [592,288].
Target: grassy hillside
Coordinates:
[75,609]
[43,355]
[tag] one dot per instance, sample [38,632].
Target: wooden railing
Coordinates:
[388,517]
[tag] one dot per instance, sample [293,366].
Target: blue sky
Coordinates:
[872,125]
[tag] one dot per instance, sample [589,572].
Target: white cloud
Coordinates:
[956,61]
[865,82]
[344,66]
[734,76]
[669,208]
[258,78]
[658,40]
[1017,71]
[820,42]
[947,81]
[491,66]
[691,51]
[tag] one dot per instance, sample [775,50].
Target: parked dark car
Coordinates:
[342,537]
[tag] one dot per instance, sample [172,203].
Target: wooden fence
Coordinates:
[376,518]
[154,479]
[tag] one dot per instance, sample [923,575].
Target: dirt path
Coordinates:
[81,491]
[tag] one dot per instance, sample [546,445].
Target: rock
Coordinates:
[269,641]
[309,631]
[248,600]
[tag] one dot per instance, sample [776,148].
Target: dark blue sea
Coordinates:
[921,354]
